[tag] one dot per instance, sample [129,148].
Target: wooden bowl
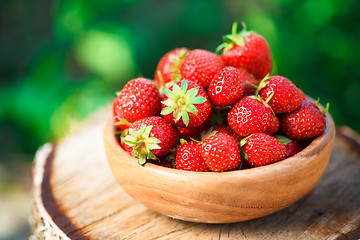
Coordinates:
[210,197]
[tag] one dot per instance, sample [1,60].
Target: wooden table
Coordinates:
[76,197]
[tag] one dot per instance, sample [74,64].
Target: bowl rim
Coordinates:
[295,161]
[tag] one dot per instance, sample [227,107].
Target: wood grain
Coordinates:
[77,194]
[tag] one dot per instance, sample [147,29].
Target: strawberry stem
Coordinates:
[234,28]
[251,84]
[262,84]
[162,83]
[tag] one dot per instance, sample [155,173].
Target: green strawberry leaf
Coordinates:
[168,93]
[185,117]
[243,141]
[192,109]
[132,132]
[142,130]
[142,159]
[198,100]
[167,110]
[191,93]
[184,86]
[284,140]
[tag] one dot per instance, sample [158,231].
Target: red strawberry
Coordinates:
[292,146]
[188,158]
[248,89]
[284,95]
[226,88]
[274,126]
[250,115]
[306,122]
[201,66]
[186,104]
[228,130]
[139,98]
[190,133]
[168,68]
[247,49]
[220,152]
[120,122]
[150,138]
[261,149]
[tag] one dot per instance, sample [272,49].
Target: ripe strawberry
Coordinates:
[274,126]
[248,89]
[228,130]
[250,115]
[186,104]
[284,95]
[150,138]
[261,149]
[188,158]
[194,133]
[306,122]
[189,133]
[168,68]
[292,146]
[200,66]
[247,49]
[226,88]
[220,152]
[139,98]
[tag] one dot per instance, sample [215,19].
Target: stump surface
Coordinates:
[76,197]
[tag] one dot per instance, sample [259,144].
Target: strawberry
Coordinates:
[186,104]
[121,123]
[226,88]
[150,138]
[200,66]
[292,146]
[250,83]
[247,49]
[274,126]
[260,149]
[250,115]
[168,68]
[139,98]
[188,158]
[220,152]
[306,122]
[190,133]
[228,130]
[284,95]
[194,133]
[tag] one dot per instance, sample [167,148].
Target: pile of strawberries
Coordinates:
[206,112]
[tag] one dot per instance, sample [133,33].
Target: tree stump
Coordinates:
[75,196]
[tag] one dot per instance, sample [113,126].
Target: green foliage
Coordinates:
[62,61]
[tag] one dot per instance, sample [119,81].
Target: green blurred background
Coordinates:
[62,60]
